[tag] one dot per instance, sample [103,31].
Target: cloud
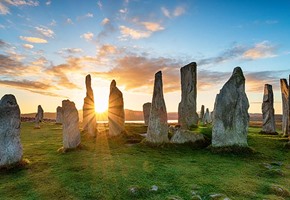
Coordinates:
[69,21]
[107,49]
[70,51]
[89,15]
[4,44]
[152,26]
[52,23]
[123,11]
[28,46]
[105,21]
[87,36]
[134,34]
[33,39]
[44,31]
[178,11]
[4,10]
[100,5]
[40,61]
[22,2]
[260,50]
[48,2]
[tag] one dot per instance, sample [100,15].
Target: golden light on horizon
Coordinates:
[101,104]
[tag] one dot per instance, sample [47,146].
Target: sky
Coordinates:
[47,47]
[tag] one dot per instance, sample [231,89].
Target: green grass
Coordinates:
[107,168]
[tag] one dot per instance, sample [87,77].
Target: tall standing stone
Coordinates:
[206,117]
[116,113]
[285,106]
[146,112]
[230,116]
[70,125]
[288,125]
[10,145]
[187,115]
[58,119]
[38,116]
[201,113]
[157,131]
[268,111]
[89,115]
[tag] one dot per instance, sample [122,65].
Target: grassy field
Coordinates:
[112,169]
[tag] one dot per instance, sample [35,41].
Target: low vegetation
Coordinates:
[123,168]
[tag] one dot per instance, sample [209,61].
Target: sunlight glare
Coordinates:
[101,97]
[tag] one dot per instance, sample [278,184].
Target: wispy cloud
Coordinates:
[132,33]
[28,46]
[100,5]
[22,2]
[69,21]
[153,26]
[178,11]
[33,39]
[44,31]
[48,2]
[260,50]
[4,10]
[87,36]
[105,21]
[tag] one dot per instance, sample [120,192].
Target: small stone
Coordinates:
[268,111]
[58,115]
[218,197]
[38,117]
[196,197]
[279,191]
[146,112]
[154,188]
[185,136]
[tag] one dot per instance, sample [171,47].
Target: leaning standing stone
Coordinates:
[70,126]
[187,116]
[230,116]
[38,117]
[10,145]
[157,131]
[58,115]
[268,111]
[116,113]
[146,112]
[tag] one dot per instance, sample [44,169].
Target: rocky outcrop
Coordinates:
[187,116]
[58,119]
[146,112]
[268,111]
[116,112]
[10,145]
[70,126]
[230,116]
[285,107]
[181,136]
[157,131]
[38,117]
[89,115]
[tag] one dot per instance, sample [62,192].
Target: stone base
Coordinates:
[268,133]
[18,165]
[232,149]
[66,150]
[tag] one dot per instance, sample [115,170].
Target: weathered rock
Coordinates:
[182,136]
[206,117]
[58,115]
[288,129]
[89,116]
[268,111]
[146,112]
[10,145]
[157,131]
[285,106]
[70,125]
[230,117]
[116,112]
[201,113]
[218,197]
[187,116]
[279,190]
[38,116]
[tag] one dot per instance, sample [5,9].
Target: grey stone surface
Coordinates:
[38,116]
[89,115]
[146,112]
[285,106]
[230,117]
[116,113]
[58,119]
[206,117]
[201,113]
[181,136]
[187,115]
[268,110]
[70,125]
[157,131]
[10,144]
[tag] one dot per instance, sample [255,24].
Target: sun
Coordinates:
[101,98]
[101,108]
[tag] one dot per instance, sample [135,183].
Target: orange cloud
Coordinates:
[152,26]
[33,39]
[260,50]
[134,34]
[87,36]
[28,46]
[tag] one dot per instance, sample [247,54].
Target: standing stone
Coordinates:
[206,117]
[268,111]
[146,112]
[70,125]
[285,106]
[58,115]
[116,113]
[288,125]
[157,131]
[38,117]
[230,116]
[201,113]
[89,115]
[187,116]
[10,145]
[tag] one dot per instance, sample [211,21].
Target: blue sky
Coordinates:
[47,47]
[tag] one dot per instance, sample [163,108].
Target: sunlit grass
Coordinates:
[108,168]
